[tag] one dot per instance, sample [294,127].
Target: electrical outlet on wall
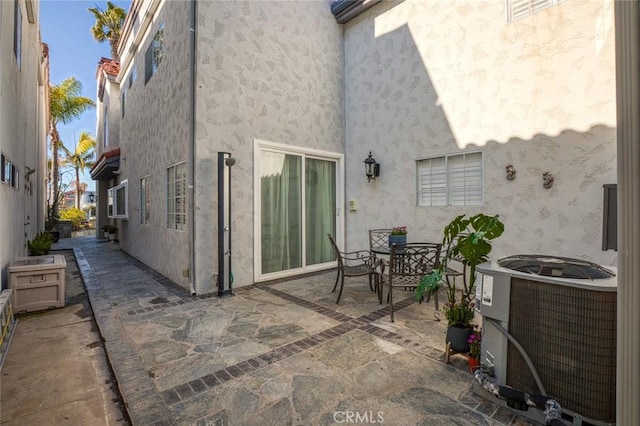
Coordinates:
[353,205]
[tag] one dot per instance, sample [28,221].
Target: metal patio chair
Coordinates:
[379,238]
[408,264]
[356,264]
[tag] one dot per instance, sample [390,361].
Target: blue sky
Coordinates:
[64,26]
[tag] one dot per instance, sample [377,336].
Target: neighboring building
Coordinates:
[107,138]
[24,109]
[444,95]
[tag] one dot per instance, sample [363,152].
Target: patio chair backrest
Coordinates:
[414,259]
[379,238]
[336,250]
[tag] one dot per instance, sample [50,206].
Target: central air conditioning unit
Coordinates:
[549,328]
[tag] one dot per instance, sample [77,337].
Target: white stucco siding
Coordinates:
[427,78]
[154,134]
[22,134]
[266,70]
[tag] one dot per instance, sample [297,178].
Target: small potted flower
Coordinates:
[398,235]
[475,345]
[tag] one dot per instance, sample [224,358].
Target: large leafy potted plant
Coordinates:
[468,243]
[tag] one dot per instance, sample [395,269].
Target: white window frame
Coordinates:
[153,55]
[9,173]
[172,215]
[113,206]
[440,187]
[521,9]
[261,146]
[145,201]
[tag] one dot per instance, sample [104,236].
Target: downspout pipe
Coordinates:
[192,150]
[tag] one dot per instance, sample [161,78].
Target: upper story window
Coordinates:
[123,102]
[177,196]
[17,32]
[105,129]
[452,180]
[520,9]
[133,76]
[153,55]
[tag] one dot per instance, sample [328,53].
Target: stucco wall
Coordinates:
[22,135]
[270,71]
[154,134]
[429,78]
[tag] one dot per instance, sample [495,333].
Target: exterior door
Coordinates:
[297,198]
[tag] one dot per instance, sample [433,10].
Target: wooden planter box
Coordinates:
[37,282]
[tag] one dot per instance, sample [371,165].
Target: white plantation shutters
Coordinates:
[176,196]
[432,182]
[465,179]
[454,180]
[520,9]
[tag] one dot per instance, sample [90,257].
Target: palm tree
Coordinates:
[80,159]
[108,26]
[66,105]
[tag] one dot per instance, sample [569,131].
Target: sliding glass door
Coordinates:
[298,207]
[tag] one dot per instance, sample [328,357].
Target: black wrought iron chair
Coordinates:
[379,238]
[408,264]
[356,264]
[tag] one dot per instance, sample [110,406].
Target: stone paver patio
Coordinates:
[275,353]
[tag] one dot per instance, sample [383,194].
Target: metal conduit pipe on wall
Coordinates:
[191,191]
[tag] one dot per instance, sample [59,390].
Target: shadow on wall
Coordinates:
[553,205]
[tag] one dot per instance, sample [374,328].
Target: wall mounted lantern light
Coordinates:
[371,168]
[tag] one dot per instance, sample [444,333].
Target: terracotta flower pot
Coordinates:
[473,363]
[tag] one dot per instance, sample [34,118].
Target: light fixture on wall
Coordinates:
[511,172]
[371,168]
[547,180]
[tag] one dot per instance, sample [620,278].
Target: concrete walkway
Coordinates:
[281,353]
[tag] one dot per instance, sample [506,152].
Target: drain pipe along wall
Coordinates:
[192,156]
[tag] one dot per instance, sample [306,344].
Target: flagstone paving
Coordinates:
[275,353]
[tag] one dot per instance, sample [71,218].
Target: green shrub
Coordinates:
[40,245]
[75,215]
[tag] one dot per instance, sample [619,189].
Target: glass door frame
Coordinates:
[260,146]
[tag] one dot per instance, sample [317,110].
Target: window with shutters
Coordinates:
[453,180]
[177,196]
[520,9]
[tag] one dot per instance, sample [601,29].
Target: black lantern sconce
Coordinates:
[371,168]
[92,198]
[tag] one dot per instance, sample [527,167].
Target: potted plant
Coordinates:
[468,242]
[475,344]
[40,245]
[110,232]
[398,235]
